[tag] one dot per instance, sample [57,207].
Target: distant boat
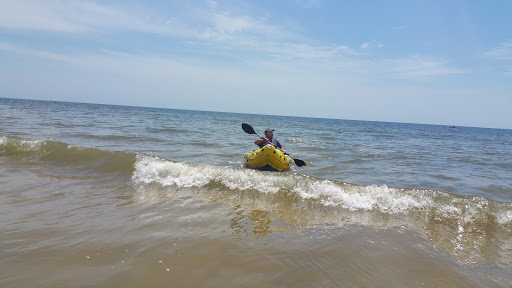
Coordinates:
[452,126]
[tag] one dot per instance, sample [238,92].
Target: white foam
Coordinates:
[31,145]
[363,197]
[23,145]
[504,217]
[152,169]
[353,197]
[329,193]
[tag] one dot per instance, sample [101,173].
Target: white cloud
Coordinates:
[78,16]
[224,26]
[373,43]
[36,16]
[208,25]
[418,67]
[502,52]
[84,17]
[412,68]
[209,28]
[18,49]
[65,16]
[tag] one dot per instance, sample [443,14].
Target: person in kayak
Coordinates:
[269,138]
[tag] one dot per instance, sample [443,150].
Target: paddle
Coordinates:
[249,130]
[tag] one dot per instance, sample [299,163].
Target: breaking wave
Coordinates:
[151,170]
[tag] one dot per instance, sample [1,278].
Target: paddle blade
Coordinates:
[248,128]
[299,162]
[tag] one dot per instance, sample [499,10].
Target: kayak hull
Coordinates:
[268,158]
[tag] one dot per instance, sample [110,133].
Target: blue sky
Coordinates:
[435,62]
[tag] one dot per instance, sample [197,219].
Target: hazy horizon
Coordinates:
[196,110]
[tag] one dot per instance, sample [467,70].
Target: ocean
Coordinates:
[114,196]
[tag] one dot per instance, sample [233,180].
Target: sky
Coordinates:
[432,62]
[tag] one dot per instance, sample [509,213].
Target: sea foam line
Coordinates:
[150,169]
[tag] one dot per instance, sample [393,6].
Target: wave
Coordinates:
[63,154]
[151,170]
[466,209]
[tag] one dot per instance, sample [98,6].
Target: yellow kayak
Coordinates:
[268,158]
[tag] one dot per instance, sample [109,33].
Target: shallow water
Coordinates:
[112,196]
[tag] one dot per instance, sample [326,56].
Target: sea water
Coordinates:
[114,196]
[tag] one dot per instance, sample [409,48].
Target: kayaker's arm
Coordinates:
[258,141]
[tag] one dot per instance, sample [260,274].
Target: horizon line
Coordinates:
[293,116]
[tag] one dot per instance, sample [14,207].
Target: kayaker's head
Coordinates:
[269,133]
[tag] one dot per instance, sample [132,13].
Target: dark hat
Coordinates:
[269,130]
